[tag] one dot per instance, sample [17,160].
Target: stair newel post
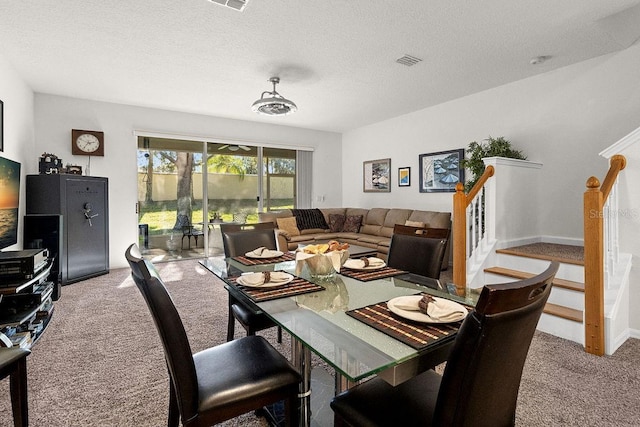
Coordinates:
[460,239]
[593,268]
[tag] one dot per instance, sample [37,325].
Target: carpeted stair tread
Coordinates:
[564,312]
[568,254]
[517,274]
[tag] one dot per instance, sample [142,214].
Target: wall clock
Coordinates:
[87,142]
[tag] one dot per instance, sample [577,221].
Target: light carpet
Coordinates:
[100,362]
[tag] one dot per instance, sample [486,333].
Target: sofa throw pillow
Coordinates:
[352,223]
[336,222]
[309,218]
[288,225]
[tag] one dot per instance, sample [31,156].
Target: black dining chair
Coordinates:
[479,386]
[13,364]
[218,383]
[417,254]
[238,240]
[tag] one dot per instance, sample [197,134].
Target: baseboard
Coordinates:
[621,339]
[517,242]
[538,239]
[563,240]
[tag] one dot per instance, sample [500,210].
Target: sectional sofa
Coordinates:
[370,228]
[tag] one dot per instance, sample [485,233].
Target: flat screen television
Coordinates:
[9,202]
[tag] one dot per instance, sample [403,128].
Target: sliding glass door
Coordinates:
[187,188]
[279,179]
[170,214]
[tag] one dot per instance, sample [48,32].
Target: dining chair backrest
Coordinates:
[237,243]
[416,254]
[481,379]
[174,339]
[434,233]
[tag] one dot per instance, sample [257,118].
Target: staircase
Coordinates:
[563,315]
[589,303]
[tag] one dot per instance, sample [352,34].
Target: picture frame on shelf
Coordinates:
[441,171]
[376,176]
[404,177]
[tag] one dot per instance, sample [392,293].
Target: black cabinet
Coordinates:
[26,306]
[83,203]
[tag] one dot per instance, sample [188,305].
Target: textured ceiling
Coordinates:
[335,58]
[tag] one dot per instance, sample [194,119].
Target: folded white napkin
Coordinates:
[373,262]
[262,252]
[438,309]
[257,279]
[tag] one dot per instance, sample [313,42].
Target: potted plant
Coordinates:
[490,147]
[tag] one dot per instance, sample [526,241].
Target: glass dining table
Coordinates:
[331,321]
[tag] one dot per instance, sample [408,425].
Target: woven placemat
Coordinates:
[414,334]
[297,286]
[287,256]
[367,275]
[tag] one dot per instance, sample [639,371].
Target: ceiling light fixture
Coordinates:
[274,104]
[234,147]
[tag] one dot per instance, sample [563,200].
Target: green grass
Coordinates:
[161,216]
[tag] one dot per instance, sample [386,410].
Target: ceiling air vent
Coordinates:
[238,5]
[408,60]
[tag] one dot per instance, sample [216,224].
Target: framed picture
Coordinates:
[404,177]
[441,171]
[376,176]
[1,126]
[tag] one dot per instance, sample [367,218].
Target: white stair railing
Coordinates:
[611,235]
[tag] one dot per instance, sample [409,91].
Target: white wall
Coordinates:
[18,129]
[629,217]
[561,119]
[55,116]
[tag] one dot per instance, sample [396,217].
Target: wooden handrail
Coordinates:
[617,163]
[460,203]
[488,173]
[594,200]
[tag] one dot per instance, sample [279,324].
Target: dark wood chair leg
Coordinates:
[231,324]
[19,400]
[173,419]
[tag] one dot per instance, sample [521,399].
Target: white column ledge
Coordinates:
[511,162]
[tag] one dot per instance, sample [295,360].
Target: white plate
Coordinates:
[266,285]
[418,316]
[353,264]
[269,254]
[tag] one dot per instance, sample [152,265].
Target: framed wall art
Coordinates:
[441,171]
[404,177]
[376,176]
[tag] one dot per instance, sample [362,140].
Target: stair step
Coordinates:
[517,274]
[548,251]
[564,312]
